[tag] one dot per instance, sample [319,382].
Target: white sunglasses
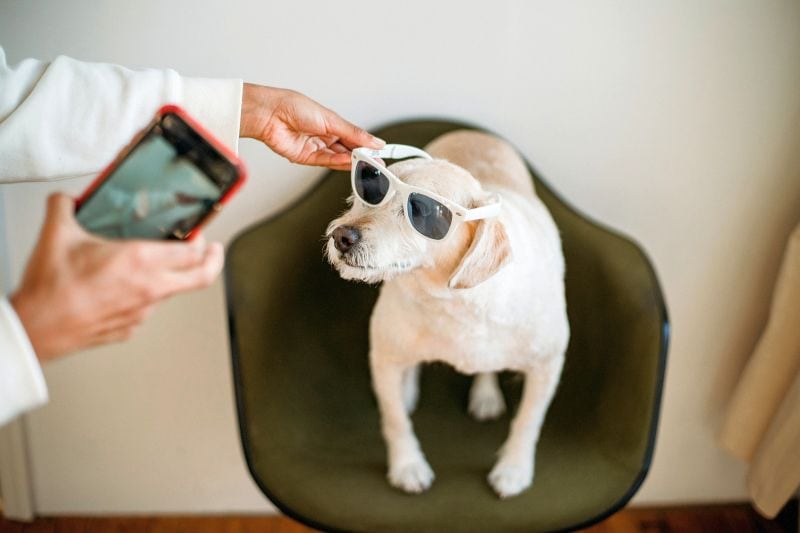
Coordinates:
[431,215]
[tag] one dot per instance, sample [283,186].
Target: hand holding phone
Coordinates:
[79,290]
[171,179]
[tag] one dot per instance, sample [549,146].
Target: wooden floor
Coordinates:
[706,519]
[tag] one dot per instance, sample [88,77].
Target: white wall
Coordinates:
[674,122]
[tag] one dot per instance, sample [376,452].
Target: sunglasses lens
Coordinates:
[428,216]
[371,186]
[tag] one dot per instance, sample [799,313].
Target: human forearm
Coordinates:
[77,115]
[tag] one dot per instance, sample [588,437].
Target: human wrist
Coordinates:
[258,103]
[18,303]
[21,304]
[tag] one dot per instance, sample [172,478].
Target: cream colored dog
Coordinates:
[488,298]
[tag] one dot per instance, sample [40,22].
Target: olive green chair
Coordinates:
[309,422]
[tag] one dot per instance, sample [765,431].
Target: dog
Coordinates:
[490,297]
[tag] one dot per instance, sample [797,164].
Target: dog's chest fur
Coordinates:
[475,334]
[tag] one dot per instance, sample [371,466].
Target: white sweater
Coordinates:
[67,119]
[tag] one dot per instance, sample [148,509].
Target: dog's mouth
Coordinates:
[359,263]
[396,267]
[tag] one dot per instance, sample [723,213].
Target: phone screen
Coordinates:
[166,185]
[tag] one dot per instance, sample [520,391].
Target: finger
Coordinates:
[330,159]
[198,239]
[111,336]
[350,134]
[332,143]
[60,205]
[124,319]
[349,145]
[60,215]
[148,256]
[314,144]
[195,277]
[339,148]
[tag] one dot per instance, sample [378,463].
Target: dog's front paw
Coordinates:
[509,478]
[412,476]
[486,403]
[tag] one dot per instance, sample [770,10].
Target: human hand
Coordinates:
[300,129]
[79,290]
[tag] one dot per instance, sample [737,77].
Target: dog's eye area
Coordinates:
[369,184]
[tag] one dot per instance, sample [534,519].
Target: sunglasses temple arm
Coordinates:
[398,151]
[486,211]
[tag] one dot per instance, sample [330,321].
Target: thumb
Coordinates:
[60,214]
[56,218]
[60,205]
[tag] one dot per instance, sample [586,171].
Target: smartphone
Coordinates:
[169,181]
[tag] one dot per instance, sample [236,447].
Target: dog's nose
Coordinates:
[345,237]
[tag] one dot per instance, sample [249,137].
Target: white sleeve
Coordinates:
[22,385]
[70,118]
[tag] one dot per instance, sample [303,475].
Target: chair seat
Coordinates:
[309,422]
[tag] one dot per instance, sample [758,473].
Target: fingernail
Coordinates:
[380,142]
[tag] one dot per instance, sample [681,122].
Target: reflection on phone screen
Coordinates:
[154,192]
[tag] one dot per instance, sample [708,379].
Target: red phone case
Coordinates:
[204,133]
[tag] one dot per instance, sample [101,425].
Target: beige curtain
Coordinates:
[762,425]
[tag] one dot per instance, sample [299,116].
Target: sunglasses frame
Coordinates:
[460,214]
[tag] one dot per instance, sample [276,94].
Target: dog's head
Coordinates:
[374,244]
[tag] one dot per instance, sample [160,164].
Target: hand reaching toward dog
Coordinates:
[300,129]
[79,290]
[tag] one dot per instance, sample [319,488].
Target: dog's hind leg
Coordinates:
[408,469]
[513,471]
[485,397]
[411,388]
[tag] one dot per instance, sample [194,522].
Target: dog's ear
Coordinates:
[488,252]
